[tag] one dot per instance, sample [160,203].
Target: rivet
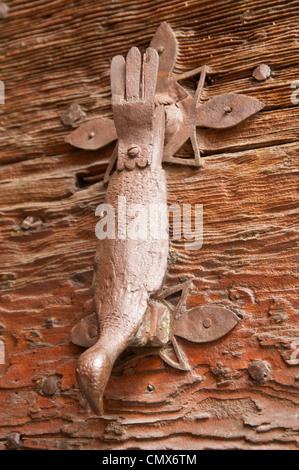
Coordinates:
[227,109]
[160,49]
[133,151]
[207,323]
[91,135]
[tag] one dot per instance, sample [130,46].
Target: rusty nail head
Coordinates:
[13,441]
[93,379]
[133,151]
[262,72]
[259,370]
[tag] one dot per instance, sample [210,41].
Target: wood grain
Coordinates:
[56,53]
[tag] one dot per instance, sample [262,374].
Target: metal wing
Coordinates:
[226,111]
[93,134]
[205,323]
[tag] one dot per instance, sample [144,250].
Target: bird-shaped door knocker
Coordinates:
[153,116]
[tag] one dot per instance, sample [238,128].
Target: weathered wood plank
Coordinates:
[55,53]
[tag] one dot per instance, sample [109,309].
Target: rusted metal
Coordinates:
[13,441]
[184,113]
[49,386]
[153,117]
[128,271]
[73,115]
[205,323]
[261,72]
[259,370]
[162,323]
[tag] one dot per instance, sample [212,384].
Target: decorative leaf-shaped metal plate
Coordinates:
[226,111]
[93,134]
[85,332]
[165,43]
[205,323]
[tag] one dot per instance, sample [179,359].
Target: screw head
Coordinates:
[73,115]
[150,388]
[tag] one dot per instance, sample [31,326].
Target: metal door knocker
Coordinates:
[153,117]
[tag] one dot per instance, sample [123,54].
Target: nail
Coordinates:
[13,441]
[150,388]
[73,115]
[262,72]
[48,386]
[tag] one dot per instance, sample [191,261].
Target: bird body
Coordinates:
[127,272]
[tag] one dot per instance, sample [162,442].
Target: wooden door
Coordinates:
[56,53]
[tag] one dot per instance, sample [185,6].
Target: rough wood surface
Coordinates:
[56,53]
